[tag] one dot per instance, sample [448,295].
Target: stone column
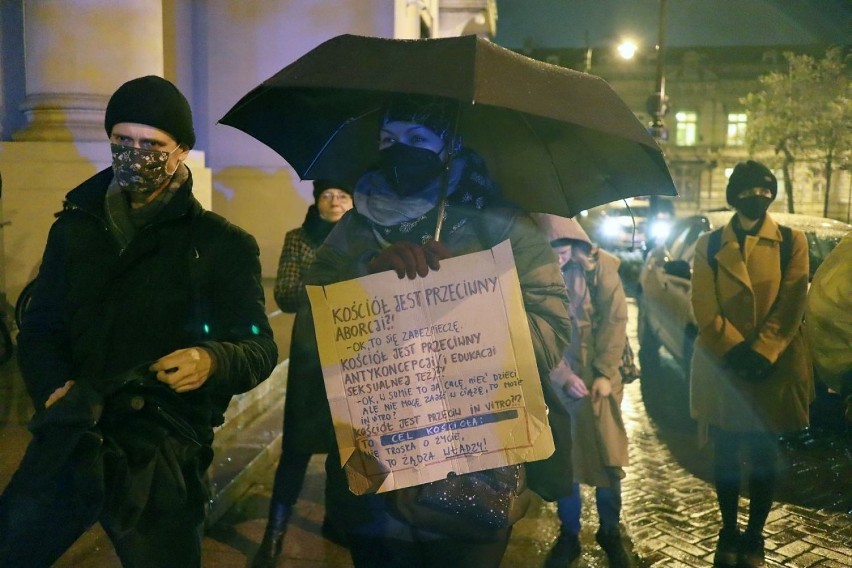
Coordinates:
[77,52]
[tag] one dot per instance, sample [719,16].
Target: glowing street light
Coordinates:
[627,49]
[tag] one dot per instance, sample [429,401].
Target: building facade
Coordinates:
[62,59]
[706,121]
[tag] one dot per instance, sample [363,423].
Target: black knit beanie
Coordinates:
[152,101]
[321,185]
[747,175]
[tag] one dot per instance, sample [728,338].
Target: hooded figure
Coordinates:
[392,228]
[588,382]
[751,376]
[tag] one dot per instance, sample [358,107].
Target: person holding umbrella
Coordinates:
[397,207]
[307,422]
[588,382]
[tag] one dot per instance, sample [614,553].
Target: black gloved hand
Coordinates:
[736,356]
[756,366]
[410,259]
[746,363]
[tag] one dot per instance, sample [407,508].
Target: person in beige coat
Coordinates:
[751,374]
[588,382]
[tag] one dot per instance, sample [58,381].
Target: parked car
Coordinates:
[666,320]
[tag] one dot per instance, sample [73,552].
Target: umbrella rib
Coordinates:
[549,154]
[334,134]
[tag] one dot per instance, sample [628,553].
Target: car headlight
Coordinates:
[610,227]
[660,230]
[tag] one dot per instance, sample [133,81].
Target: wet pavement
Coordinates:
[669,515]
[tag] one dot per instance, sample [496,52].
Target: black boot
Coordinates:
[751,554]
[613,546]
[726,548]
[565,550]
[273,537]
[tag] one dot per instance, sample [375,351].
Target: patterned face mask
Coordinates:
[140,171]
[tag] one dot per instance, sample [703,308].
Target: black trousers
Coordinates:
[40,521]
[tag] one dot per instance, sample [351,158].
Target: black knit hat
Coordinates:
[152,101]
[747,175]
[321,185]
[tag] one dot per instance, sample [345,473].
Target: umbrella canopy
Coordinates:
[557,141]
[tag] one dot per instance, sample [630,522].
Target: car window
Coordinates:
[683,248]
[675,245]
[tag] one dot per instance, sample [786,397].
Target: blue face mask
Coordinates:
[140,171]
[409,169]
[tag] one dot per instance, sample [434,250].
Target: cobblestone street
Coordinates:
[669,513]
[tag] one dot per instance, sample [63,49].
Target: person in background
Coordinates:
[146,317]
[392,227]
[828,322]
[588,383]
[307,421]
[752,377]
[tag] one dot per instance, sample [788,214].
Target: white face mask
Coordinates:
[138,170]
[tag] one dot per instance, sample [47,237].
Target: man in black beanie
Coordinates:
[146,317]
[751,376]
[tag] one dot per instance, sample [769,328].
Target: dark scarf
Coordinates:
[316,228]
[469,187]
[124,221]
[741,233]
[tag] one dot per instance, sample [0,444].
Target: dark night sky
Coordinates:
[566,23]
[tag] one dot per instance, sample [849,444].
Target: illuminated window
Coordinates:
[736,129]
[687,128]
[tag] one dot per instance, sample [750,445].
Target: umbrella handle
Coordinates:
[440,223]
[445,177]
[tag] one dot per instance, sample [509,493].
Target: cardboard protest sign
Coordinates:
[433,375]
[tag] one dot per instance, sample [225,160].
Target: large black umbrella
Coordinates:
[557,141]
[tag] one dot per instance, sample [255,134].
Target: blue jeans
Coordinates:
[607,499]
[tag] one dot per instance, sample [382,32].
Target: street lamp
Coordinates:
[658,102]
[626,49]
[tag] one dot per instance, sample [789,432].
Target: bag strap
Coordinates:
[786,247]
[713,246]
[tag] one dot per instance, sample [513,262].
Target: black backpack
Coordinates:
[715,242]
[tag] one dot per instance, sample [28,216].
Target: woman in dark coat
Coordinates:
[307,422]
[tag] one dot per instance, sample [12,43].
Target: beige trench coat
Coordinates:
[748,301]
[600,439]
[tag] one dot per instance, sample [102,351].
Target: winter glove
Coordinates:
[410,259]
[756,366]
[747,364]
